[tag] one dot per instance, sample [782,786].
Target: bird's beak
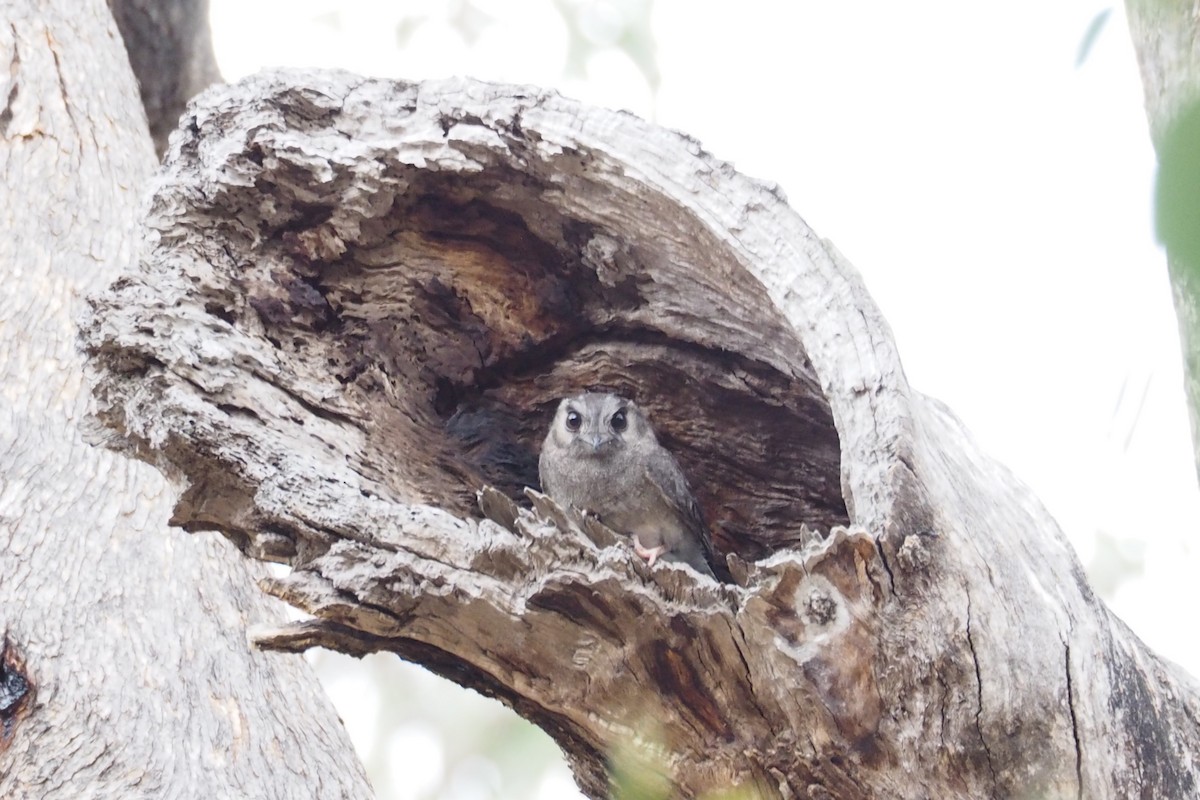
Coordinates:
[598,440]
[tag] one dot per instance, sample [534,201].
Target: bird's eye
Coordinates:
[618,422]
[574,420]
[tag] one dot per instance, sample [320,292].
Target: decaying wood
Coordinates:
[124,669]
[357,304]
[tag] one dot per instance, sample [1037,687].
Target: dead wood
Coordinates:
[357,304]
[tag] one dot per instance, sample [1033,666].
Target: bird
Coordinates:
[601,456]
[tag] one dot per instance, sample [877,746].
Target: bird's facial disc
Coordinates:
[590,433]
[595,425]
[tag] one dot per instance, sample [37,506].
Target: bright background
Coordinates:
[987,170]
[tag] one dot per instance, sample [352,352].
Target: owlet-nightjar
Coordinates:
[602,456]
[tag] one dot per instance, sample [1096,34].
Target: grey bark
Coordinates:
[356,307]
[126,670]
[170,49]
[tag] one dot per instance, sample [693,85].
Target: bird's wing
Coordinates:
[544,468]
[665,476]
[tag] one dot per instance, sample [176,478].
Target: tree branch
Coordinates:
[357,306]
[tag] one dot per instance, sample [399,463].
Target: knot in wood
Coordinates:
[15,690]
[819,607]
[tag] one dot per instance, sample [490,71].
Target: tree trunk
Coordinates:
[1165,36]
[358,303]
[170,49]
[124,669]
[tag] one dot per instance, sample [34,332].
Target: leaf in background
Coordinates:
[1091,35]
[1177,190]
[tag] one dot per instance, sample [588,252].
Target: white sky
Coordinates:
[996,198]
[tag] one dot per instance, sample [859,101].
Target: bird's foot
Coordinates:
[648,553]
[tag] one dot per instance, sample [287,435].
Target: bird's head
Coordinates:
[596,425]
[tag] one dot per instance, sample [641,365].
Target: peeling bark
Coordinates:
[356,307]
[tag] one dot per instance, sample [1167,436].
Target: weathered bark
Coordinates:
[1165,35]
[170,50]
[125,669]
[357,305]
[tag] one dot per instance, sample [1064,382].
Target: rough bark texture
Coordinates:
[124,665]
[170,50]
[357,304]
[1165,35]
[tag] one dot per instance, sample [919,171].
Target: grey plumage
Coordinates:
[601,455]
